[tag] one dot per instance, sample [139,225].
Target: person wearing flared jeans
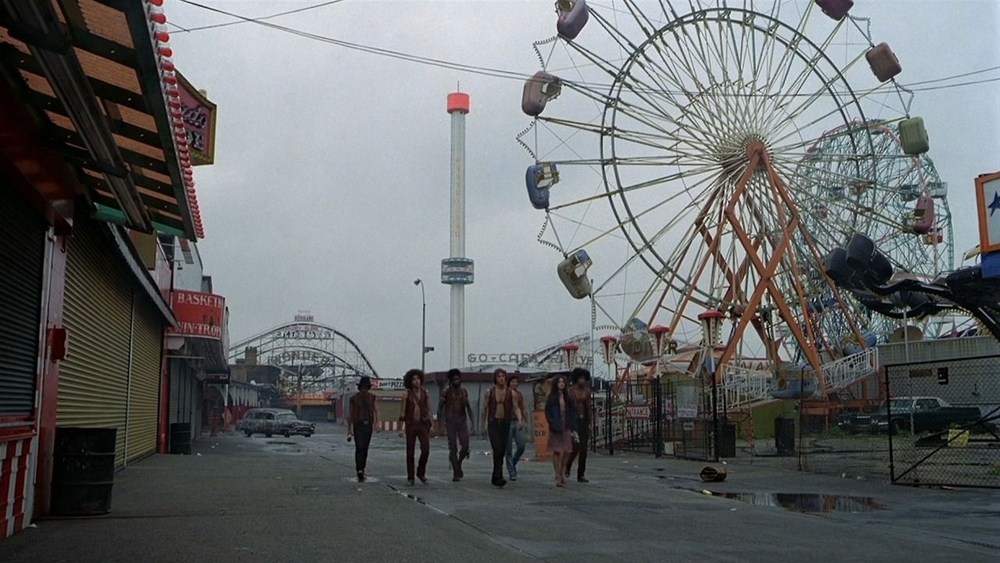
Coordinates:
[417,431]
[499,431]
[515,449]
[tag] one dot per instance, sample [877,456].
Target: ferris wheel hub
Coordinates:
[758,149]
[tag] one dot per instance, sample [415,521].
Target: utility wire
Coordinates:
[473,69]
[257,20]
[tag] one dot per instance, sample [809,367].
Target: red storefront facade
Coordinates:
[94,159]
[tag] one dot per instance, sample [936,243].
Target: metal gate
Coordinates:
[22,260]
[94,377]
[673,418]
[144,380]
[689,420]
[943,423]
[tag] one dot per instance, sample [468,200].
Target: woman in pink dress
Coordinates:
[561,416]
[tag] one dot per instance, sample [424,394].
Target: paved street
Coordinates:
[295,499]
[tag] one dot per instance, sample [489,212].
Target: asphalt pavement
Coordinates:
[239,499]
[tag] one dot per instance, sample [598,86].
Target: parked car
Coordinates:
[275,421]
[921,414]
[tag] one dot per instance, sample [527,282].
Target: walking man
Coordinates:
[416,418]
[515,447]
[453,410]
[582,402]
[362,419]
[500,410]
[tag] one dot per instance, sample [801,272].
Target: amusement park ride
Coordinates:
[312,358]
[703,161]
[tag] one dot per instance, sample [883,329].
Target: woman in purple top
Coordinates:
[561,416]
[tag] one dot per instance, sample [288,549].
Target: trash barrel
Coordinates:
[83,471]
[180,438]
[727,442]
[784,435]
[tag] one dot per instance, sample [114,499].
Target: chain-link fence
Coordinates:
[931,423]
[943,422]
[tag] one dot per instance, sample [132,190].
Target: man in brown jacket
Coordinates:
[416,418]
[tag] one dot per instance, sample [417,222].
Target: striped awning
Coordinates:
[100,78]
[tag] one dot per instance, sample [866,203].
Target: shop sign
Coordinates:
[637,412]
[199,122]
[199,315]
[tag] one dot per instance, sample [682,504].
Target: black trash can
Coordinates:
[727,442]
[83,471]
[784,435]
[180,438]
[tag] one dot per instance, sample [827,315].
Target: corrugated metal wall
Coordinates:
[22,261]
[111,377]
[93,379]
[144,388]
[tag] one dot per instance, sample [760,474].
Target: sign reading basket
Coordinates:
[200,315]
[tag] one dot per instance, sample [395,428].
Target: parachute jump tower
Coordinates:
[457,271]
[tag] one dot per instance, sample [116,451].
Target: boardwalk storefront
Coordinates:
[94,160]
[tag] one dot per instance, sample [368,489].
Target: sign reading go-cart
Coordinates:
[200,315]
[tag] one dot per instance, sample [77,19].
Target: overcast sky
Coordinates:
[331,183]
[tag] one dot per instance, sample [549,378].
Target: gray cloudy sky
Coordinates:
[330,188]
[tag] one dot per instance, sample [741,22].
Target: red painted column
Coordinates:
[50,377]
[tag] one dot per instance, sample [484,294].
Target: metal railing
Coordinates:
[849,370]
[744,385]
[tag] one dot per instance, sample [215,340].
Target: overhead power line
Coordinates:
[255,20]
[474,69]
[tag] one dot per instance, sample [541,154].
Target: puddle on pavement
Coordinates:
[280,443]
[806,502]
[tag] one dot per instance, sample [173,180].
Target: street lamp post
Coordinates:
[423,325]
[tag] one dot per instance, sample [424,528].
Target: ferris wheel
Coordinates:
[913,227]
[681,152]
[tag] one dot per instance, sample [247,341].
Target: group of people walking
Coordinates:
[504,421]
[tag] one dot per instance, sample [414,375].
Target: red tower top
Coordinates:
[459,101]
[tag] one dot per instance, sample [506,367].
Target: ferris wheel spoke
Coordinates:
[656,113]
[808,68]
[677,280]
[581,224]
[701,97]
[666,179]
[872,213]
[598,61]
[689,148]
[721,90]
[741,49]
[564,142]
[825,116]
[695,135]
[792,46]
[641,19]
[679,176]
[824,89]
[623,41]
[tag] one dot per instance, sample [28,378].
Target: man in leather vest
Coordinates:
[500,411]
[456,412]
[416,418]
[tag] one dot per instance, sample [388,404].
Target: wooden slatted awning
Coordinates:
[99,77]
